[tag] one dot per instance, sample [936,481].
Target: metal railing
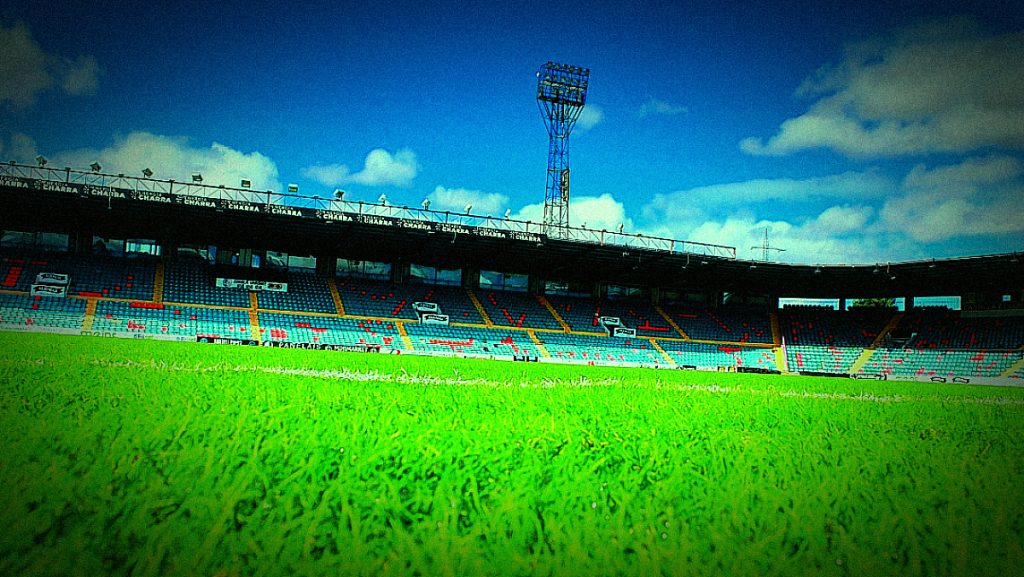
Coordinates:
[95,183]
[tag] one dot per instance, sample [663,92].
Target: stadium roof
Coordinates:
[392,234]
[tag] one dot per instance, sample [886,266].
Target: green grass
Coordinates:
[142,458]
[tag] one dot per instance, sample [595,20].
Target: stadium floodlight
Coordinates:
[197,177]
[41,160]
[468,208]
[245,183]
[146,172]
[508,213]
[339,194]
[382,200]
[621,226]
[561,96]
[293,187]
[95,167]
[425,204]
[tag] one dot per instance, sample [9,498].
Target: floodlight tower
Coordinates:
[561,95]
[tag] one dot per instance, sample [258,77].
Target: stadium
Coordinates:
[120,262]
[206,378]
[142,258]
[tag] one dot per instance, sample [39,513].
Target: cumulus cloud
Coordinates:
[854,217]
[602,212]
[22,149]
[980,196]
[656,107]
[175,158]
[687,208]
[30,70]
[456,200]
[381,168]
[946,87]
[590,116]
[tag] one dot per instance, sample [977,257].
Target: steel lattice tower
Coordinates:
[561,95]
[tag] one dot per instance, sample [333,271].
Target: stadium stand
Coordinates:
[24,312]
[726,324]
[822,359]
[113,277]
[518,310]
[945,329]
[583,315]
[912,362]
[190,281]
[307,292]
[116,295]
[470,340]
[380,300]
[328,330]
[707,355]
[589,348]
[816,326]
[166,319]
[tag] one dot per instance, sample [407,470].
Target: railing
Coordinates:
[97,184]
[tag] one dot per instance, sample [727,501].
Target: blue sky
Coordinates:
[856,132]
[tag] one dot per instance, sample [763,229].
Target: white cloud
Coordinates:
[81,77]
[947,87]
[456,199]
[22,149]
[854,217]
[590,116]
[980,196]
[29,70]
[380,168]
[174,158]
[688,208]
[596,212]
[654,107]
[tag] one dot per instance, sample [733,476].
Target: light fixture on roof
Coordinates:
[41,160]
[146,172]
[621,226]
[293,187]
[425,204]
[95,167]
[339,194]
[245,183]
[508,213]
[197,177]
[468,208]
[817,270]
[382,199]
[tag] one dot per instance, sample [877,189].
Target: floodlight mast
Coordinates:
[561,95]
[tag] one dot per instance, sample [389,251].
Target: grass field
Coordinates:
[142,458]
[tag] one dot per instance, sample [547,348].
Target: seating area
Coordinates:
[712,356]
[945,329]
[519,310]
[584,314]
[24,312]
[329,330]
[925,342]
[822,359]
[307,292]
[368,299]
[189,281]
[171,320]
[112,277]
[941,363]
[470,340]
[729,324]
[600,349]
[832,328]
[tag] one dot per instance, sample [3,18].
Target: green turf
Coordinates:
[143,458]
